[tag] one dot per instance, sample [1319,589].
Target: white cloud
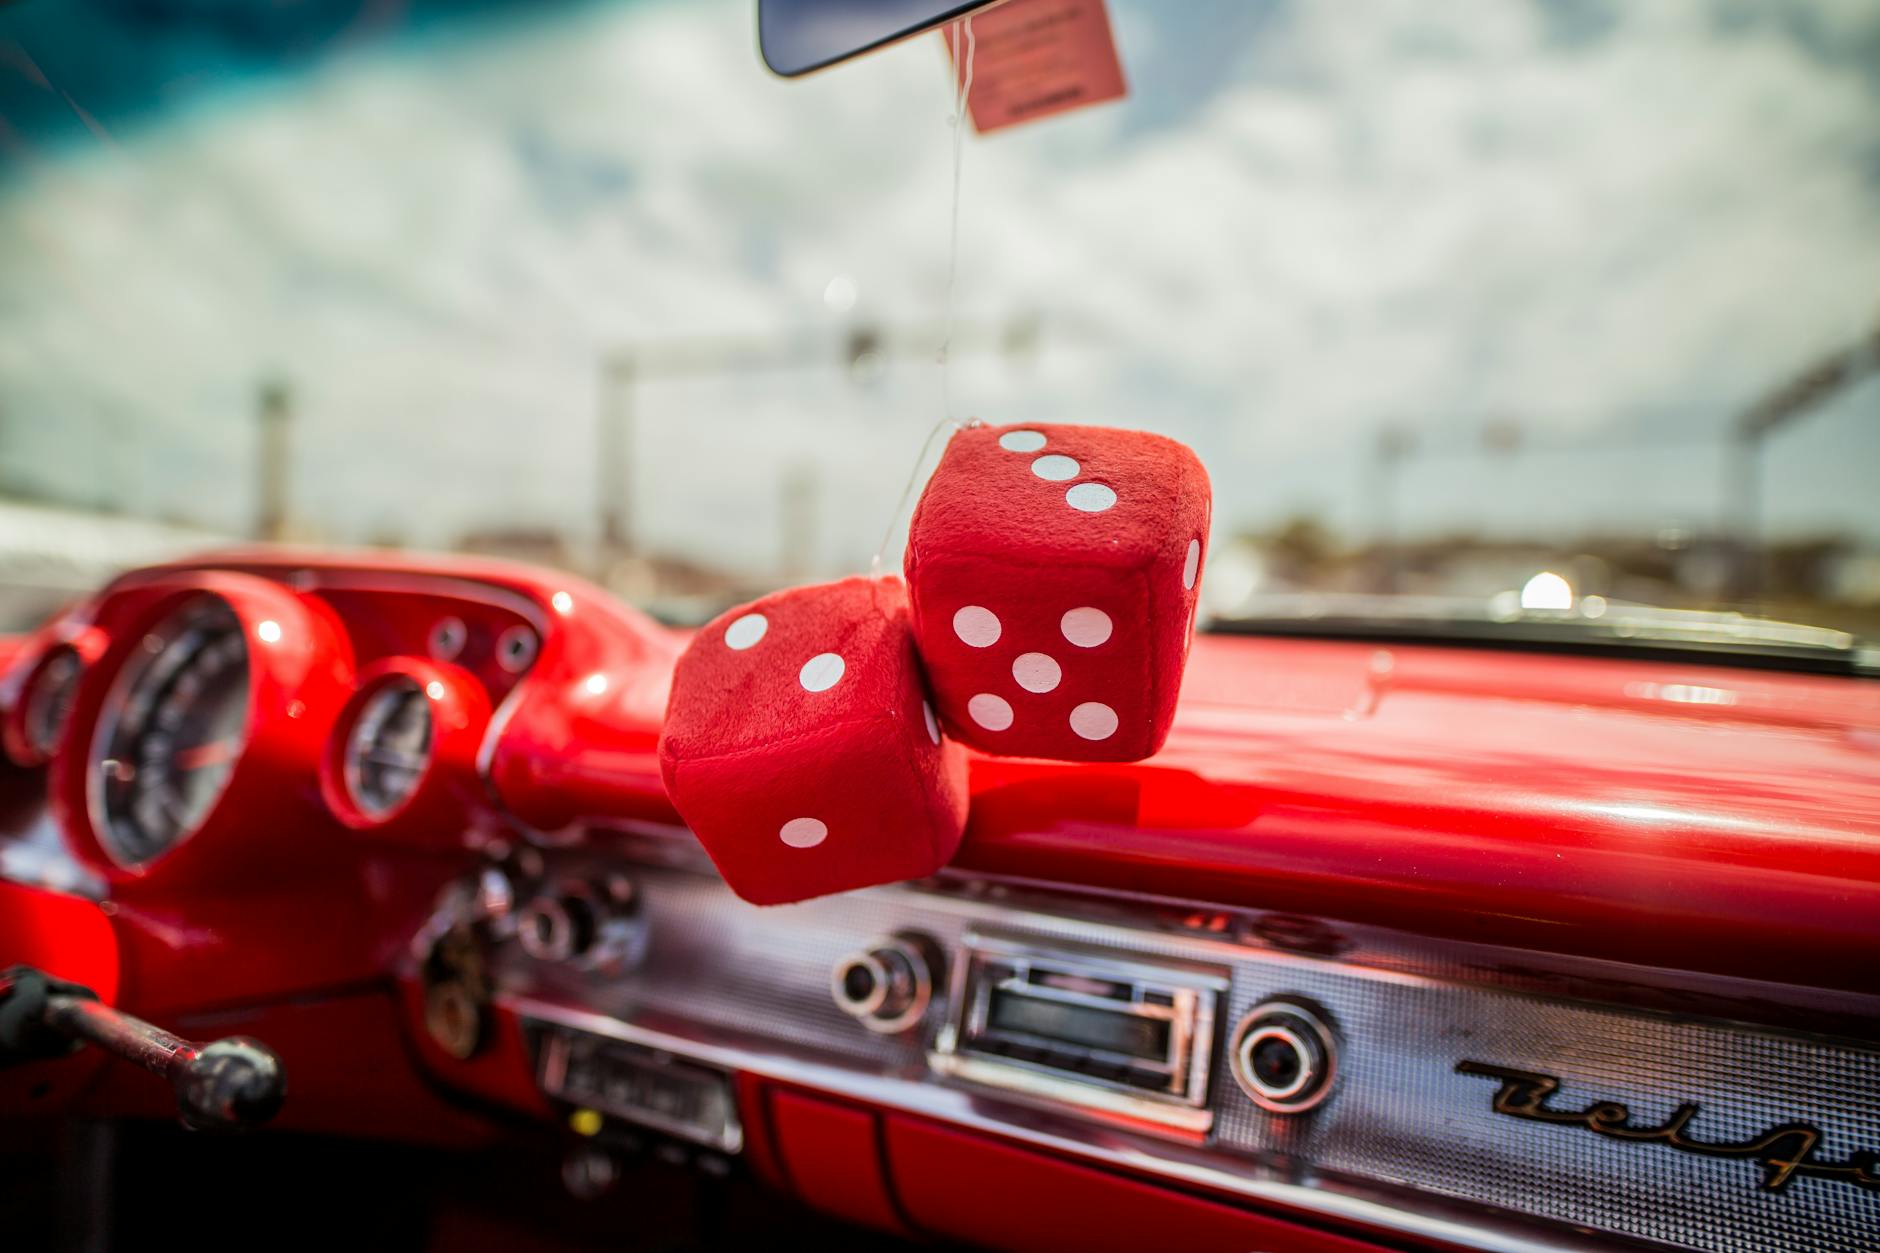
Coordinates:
[1388,212]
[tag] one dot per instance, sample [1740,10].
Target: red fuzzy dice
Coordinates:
[1053,572]
[800,747]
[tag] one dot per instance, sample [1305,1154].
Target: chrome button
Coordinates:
[888,985]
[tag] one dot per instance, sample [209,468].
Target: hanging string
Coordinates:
[947,423]
[961,100]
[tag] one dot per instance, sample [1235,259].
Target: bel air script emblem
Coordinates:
[1785,1150]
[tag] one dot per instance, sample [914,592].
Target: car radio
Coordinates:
[1116,1036]
[678,1097]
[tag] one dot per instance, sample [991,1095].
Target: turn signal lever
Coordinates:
[225,1085]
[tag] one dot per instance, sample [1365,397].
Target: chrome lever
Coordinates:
[229,1084]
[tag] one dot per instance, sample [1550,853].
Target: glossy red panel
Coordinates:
[981,1191]
[1704,817]
[448,797]
[491,635]
[297,935]
[760,1151]
[23,662]
[1698,817]
[577,721]
[70,939]
[832,1156]
[579,743]
[501,1072]
[269,813]
[66,936]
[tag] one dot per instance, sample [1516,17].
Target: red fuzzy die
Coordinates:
[801,748]
[1053,571]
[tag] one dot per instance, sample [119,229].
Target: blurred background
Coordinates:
[1448,297]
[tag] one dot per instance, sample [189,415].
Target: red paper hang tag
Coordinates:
[1035,58]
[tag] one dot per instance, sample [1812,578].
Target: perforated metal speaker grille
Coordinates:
[1400,1115]
[1403,1115]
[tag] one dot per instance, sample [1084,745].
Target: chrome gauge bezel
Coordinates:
[43,742]
[142,679]
[377,706]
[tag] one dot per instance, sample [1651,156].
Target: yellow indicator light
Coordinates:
[586,1122]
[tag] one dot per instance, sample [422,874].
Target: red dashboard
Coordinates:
[354,792]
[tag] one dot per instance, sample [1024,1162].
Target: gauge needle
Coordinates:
[214,753]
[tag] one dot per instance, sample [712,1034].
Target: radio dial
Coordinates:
[888,985]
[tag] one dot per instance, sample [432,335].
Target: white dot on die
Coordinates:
[746,631]
[933,723]
[977,626]
[1053,468]
[1094,720]
[1021,441]
[821,672]
[1086,627]
[803,832]
[989,711]
[1090,497]
[1036,672]
[1191,566]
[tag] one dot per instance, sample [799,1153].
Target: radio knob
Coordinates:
[557,926]
[596,924]
[1284,1055]
[888,985]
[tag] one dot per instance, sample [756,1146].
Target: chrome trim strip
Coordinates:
[1403,1146]
[1084,1095]
[1324,1196]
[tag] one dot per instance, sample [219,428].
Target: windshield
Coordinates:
[1572,302]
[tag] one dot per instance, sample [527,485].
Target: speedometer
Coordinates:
[172,732]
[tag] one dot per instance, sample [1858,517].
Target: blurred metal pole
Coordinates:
[859,349]
[614,450]
[1393,446]
[1742,487]
[797,524]
[1781,406]
[276,415]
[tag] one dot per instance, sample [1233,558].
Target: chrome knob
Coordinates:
[595,924]
[557,926]
[888,985]
[1284,1055]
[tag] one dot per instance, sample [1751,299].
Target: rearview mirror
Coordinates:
[797,36]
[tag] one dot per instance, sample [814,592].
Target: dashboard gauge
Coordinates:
[173,732]
[389,747]
[47,706]
[402,759]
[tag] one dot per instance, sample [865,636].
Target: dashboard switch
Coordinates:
[888,985]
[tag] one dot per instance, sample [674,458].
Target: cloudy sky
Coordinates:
[1612,224]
